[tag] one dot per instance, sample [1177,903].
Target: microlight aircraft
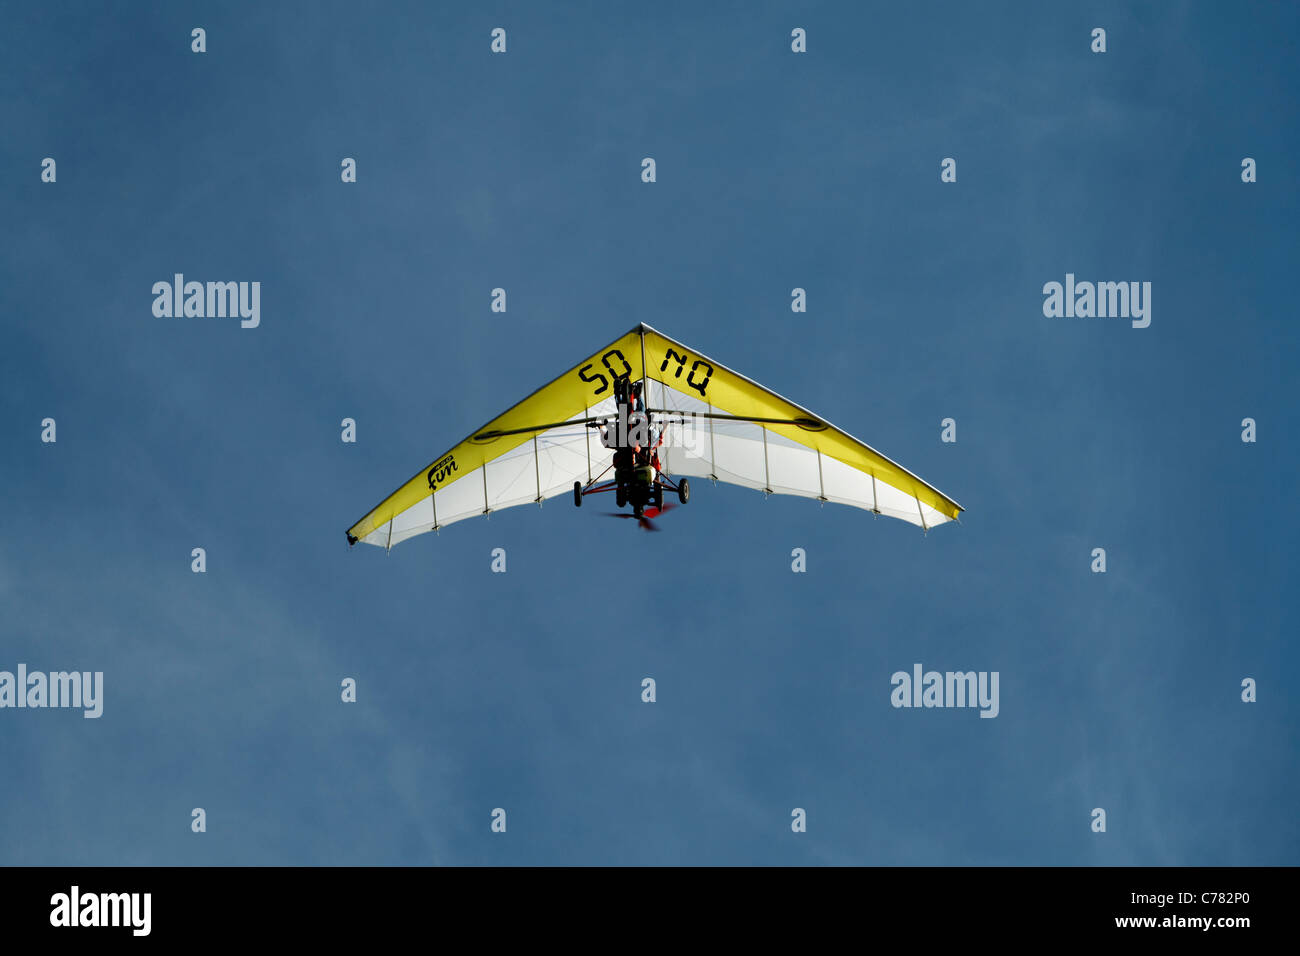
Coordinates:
[638,418]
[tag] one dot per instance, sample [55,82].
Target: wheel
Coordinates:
[577,494]
[620,496]
[683,491]
[658,497]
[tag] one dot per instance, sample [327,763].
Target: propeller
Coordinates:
[644,521]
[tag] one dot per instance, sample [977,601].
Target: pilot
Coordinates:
[609,437]
[640,433]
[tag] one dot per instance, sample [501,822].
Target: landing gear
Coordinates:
[577,494]
[683,491]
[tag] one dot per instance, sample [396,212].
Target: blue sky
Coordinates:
[522,690]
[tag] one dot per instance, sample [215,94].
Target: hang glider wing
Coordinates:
[534,450]
[735,430]
[718,424]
